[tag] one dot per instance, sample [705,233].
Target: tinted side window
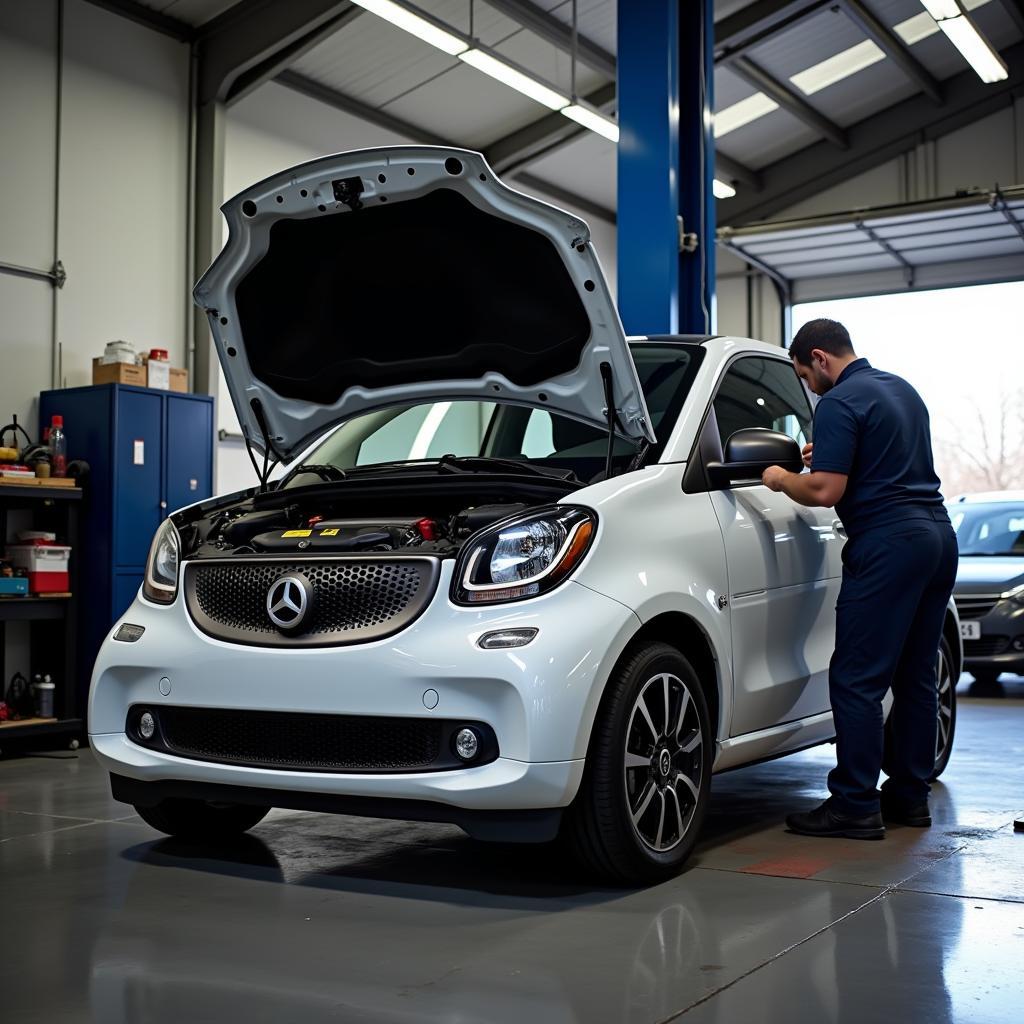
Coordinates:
[762,392]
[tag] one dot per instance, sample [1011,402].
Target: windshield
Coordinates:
[500,431]
[996,529]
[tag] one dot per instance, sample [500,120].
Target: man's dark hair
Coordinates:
[828,335]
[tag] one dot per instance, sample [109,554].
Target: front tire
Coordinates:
[198,819]
[647,780]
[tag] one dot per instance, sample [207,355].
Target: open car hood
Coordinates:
[402,275]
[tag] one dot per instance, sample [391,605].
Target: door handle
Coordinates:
[839,529]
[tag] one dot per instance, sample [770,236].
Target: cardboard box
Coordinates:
[118,373]
[164,377]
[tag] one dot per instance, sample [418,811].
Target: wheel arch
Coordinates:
[684,633]
[951,631]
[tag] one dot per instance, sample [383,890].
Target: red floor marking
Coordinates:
[789,867]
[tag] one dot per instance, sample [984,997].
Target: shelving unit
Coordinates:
[53,648]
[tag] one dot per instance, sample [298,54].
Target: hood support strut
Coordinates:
[268,467]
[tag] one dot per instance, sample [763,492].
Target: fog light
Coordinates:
[500,639]
[147,725]
[467,744]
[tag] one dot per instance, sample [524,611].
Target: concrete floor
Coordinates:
[315,918]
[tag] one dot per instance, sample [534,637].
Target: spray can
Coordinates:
[58,447]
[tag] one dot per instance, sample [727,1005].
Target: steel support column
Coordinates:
[666,167]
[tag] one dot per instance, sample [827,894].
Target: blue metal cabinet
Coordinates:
[149,452]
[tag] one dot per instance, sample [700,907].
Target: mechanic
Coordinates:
[871,458]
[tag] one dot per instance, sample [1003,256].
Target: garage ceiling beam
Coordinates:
[729,170]
[543,135]
[789,99]
[143,15]
[556,32]
[875,140]
[892,46]
[760,21]
[253,41]
[357,108]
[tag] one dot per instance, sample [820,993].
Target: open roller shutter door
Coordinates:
[976,238]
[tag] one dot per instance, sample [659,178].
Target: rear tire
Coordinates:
[647,779]
[197,819]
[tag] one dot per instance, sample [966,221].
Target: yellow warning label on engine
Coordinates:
[297,533]
[329,533]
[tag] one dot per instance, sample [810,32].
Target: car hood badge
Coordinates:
[289,602]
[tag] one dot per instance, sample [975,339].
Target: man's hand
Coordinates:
[807,453]
[773,477]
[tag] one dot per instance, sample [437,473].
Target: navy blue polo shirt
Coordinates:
[874,427]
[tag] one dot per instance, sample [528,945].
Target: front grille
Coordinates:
[355,599]
[986,647]
[974,607]
[294,741]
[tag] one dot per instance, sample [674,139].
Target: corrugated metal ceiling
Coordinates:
[380,66]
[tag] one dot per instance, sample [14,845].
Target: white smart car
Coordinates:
[521,574]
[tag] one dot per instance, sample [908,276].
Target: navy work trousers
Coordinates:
[896,585]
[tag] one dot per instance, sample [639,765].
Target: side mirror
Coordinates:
[748,453]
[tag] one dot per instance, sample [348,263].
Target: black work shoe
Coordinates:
[823,821]
[899,812]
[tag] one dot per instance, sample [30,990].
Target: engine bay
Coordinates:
[248,533]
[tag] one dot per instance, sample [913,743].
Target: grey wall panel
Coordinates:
[25,318]
[123,188]
[979,155]
[28,111]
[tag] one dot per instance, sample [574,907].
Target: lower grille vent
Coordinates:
[295,741]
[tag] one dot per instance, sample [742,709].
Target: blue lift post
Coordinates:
[666,160]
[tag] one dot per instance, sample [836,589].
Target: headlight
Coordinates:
[161,581]
[1016,595]
[523,557]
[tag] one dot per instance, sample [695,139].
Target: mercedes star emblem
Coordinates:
[289,601]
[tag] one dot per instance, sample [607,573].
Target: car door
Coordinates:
[783,559]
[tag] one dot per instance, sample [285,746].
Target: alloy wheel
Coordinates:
[945,687]
[664,762]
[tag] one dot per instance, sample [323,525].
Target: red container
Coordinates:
[49,582]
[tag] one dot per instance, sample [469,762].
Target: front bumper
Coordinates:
[1001,646]
[540,699]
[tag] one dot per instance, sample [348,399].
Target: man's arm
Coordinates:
[816,490]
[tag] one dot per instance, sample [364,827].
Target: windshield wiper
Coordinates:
[484,463]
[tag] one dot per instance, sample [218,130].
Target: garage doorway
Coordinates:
[963,349]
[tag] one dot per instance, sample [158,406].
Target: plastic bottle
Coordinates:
[58,447]
[44,692]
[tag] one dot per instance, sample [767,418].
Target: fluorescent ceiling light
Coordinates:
[722,190]
[593,120]
[514,79]
[836,68]
[975,48]
[923,25]
[415,25]
[940,9]
[739,114]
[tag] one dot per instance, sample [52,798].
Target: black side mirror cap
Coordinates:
[749,452]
